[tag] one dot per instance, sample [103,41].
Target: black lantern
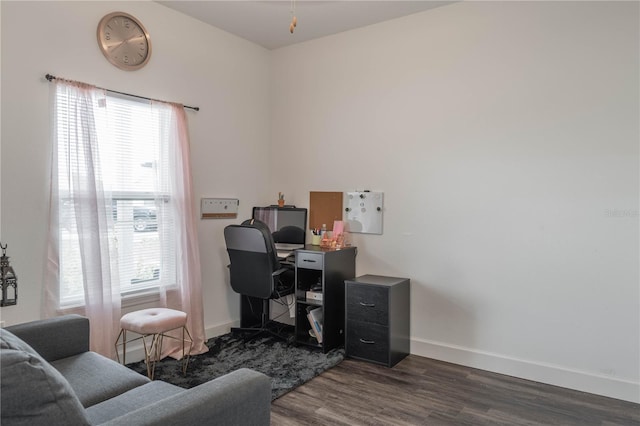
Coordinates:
[8,280]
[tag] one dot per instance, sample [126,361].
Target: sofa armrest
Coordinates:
[55,338]
[242,397]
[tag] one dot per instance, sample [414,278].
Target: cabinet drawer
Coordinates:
[367,341]
[368,304]
[309,260]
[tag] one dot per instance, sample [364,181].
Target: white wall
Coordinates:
[505,138]
[227,77]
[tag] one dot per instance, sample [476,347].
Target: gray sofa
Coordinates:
[50,377]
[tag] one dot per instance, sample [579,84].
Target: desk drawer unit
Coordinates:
[309,260]
[319,277]
[377,319]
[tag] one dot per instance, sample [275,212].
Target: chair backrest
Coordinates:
[253,258]
[289,234]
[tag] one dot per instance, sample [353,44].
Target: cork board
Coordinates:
[324,207]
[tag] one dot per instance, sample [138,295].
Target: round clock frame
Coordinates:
[124,41]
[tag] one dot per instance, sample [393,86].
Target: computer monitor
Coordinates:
[287,225]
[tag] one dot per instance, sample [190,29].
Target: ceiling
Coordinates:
[267,22]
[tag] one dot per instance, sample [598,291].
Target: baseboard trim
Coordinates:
[220,329]
[526,369]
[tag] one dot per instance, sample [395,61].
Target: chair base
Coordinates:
[264,330]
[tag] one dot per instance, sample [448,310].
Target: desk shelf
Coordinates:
[326,270]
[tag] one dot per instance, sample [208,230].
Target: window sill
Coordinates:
[129,300]
[142,297]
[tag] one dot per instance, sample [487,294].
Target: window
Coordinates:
[134,172]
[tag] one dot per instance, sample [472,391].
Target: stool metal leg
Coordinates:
[116,345]
[157,352]
[146,355]
[153,349]
[124,347]
[185,360]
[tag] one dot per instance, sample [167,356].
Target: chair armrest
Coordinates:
[278,272]
[283,284]
[55,338]
[242,397]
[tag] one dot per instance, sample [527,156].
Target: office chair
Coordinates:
[255,273]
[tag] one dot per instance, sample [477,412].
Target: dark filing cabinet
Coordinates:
[377,319]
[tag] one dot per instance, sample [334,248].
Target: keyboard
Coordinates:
[284,247]
[284,254]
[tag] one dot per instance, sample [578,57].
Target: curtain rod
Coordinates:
[50,77]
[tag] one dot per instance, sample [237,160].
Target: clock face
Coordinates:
[124,41]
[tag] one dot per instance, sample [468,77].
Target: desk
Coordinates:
[327,269]
[313,266]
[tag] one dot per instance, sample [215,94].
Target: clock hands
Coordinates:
[126,41]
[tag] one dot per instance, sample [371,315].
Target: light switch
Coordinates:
[219,208]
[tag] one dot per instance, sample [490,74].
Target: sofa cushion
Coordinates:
[55,338]
[32,392]
[95,378]
[132,400]
[242,397]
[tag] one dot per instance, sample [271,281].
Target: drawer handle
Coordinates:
[367,342]
[308,260]
[368,305]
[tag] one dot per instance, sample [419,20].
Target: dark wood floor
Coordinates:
[421,391]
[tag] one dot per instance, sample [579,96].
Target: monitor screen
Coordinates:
[287,224]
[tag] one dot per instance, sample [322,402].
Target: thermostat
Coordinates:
[219,208]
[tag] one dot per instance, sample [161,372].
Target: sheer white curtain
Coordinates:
[79,222]
[186,293]
[83,274]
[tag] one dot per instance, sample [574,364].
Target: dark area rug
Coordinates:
[288,365]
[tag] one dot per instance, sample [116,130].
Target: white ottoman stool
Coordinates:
[154,322]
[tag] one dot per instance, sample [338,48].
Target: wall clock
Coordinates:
[124,41]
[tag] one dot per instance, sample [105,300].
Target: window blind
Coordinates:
[134,162]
